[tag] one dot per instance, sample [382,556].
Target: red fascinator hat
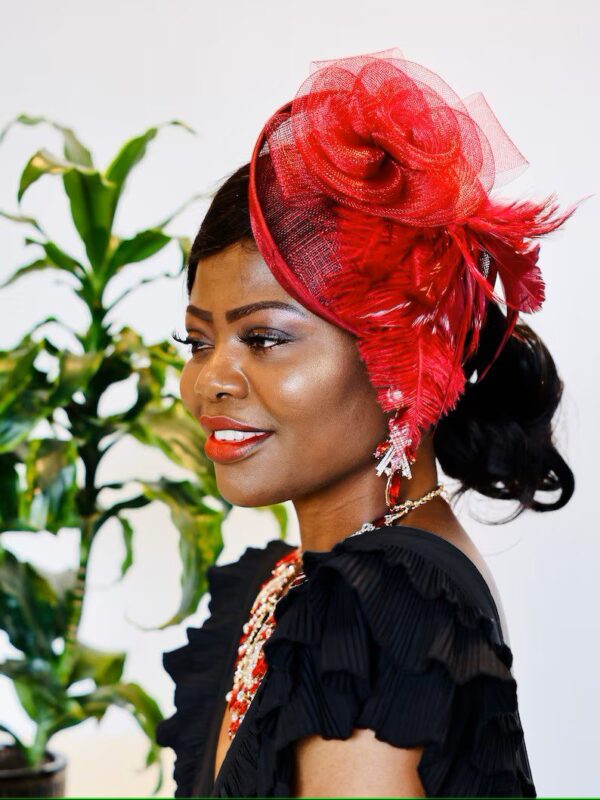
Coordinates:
[370,202]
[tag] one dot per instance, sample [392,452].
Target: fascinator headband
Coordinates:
[370,202]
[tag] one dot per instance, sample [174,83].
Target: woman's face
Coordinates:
[283,370]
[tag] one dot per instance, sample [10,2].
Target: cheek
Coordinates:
[299,391]
[324,400]
[336,430]
[186,386]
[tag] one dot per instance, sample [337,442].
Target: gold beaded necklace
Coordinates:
[287,573]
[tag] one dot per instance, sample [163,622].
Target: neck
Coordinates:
[334,512]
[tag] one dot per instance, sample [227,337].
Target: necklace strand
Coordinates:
[287,573]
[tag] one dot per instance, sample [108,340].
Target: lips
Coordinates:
[224,452]
[221,423]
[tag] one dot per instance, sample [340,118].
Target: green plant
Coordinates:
[48,481]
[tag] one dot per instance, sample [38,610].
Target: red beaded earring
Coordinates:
[393,461]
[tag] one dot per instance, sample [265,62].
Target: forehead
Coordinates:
[233,277]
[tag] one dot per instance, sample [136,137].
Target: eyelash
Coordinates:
[248,338]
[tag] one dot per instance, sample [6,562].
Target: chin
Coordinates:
[249,496]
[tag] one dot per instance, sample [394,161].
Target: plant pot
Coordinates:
[19,780]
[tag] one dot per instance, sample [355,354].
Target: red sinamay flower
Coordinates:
[370,203]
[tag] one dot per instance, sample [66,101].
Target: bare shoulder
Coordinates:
[336,767]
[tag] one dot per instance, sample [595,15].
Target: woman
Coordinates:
[342,306]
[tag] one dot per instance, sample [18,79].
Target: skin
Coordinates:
[313,391]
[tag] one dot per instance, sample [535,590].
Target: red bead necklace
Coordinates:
[250,664]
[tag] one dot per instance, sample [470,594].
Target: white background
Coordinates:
[110,69]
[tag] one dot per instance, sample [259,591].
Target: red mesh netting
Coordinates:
[369,201]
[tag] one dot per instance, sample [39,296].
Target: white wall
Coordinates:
[112,68]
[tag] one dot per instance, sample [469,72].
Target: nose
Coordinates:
[219,376]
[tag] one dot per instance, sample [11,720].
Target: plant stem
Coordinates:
[90,458]
[35,753]
[77,593]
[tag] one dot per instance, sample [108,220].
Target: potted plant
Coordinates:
[52,441]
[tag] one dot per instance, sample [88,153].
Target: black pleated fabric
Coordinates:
[395,630]
[202,669]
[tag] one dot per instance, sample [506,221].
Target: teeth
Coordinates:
[234,436]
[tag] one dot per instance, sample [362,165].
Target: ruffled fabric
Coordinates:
[202,669]
[395,630]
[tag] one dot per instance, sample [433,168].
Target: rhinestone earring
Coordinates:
[392,459]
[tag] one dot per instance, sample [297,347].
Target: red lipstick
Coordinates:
[225,451]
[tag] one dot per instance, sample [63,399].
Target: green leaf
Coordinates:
[174,431]
[16,366]
[36,684]
[45,163]
[104,667]
[34,266]
[24,393]
[9,489]
[133,698]
[74,374]
[136,286]
[139,248]
[93,199]
[31,612]
[133,151]
[183,206]
[51,713]
[185,246]
[280,513]
[55,258]
[66,713]
[49,346]
[166,353]
[22,219]
[52,484]
[127,530]
[200,541]
[125,351]
[13,431]
[114,511]
[114,368]
[93,204]
[58,257]
[62,260]
[154,417]
[74,150]
[19,743]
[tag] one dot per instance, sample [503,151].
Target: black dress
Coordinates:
[394,630]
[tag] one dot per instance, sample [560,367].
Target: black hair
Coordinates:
[499,439]
[226,222]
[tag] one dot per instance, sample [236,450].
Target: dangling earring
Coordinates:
[393,461]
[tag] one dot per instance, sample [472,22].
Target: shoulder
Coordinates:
[386,565]
[474,565]
[394,632]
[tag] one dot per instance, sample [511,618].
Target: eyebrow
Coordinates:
[243,311]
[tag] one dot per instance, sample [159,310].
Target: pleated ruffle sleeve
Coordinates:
[394,630]
[202,669]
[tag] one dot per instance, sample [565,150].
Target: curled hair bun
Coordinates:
[498,440]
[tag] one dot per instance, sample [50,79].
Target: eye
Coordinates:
[193,344]
[256,341]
